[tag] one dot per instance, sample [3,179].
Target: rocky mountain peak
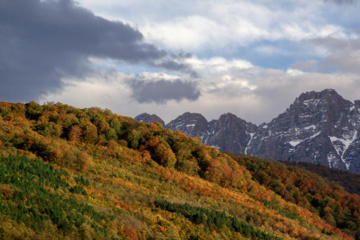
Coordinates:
[319,127]
[324,99]
[319,95]
[147,118]
[193,124]
[229,118]
[323,108]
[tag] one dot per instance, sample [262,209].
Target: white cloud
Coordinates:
[300,31]
[147,76]
[195,25]
[217,64]
[190,32]
[227,85]
[294,72]
[99,90]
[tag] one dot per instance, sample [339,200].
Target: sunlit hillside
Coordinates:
[69,173]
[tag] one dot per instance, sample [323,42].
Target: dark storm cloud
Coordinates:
[175,65]
[42,42]
[161,91]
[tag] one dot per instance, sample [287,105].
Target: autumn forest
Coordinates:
[69,173]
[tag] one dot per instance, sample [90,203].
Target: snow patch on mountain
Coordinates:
[311,102]
[294,143]
[310,127]
[342,144]
[251,138]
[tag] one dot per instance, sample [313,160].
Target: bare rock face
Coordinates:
[319,127]
[230,133]
[147,118]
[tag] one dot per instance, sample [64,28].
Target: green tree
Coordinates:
[133,138]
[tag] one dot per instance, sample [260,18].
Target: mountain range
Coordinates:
[319,127]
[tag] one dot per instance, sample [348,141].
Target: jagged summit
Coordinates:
[228,133]
[193,124]
[320,94]
[325,98]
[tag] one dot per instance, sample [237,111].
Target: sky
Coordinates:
[167,57]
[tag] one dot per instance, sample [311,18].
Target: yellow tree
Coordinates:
[90,134]
[75,134]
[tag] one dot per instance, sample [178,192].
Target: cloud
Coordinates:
[341,1]
[146,89]
[43,42]
[345,61]
[217,65]
[339,54]
[210,25]
[307,66]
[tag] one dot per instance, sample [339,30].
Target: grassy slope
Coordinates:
[104,176]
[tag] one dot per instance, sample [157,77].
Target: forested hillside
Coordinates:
[69,173]
[350,181]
